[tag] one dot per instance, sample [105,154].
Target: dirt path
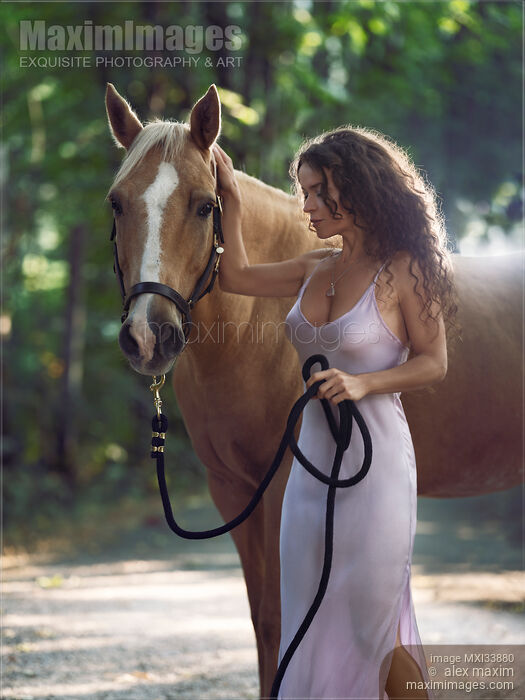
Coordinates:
[131,629]
[155,627]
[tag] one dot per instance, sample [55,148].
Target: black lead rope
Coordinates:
[342,435]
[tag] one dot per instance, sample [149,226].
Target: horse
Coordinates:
[238,376]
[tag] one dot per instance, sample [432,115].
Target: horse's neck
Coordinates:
[273,227]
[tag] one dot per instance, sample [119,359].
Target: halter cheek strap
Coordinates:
[184,305]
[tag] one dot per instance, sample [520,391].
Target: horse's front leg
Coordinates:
[230,497]
[270,606]
[257,541]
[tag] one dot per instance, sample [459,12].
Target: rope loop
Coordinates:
[348,412]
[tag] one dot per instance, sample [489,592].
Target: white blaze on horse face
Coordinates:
[155,198]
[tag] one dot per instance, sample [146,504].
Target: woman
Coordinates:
[385,291]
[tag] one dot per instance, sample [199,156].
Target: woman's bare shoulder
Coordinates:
[313,257]
[406,263]
[406,271]
[394,276]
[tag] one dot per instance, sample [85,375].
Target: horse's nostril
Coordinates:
[127,342]
[158,330]
[167,331]
[170,338]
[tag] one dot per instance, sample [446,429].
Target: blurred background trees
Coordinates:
[441,78]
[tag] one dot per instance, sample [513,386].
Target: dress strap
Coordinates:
[379,272]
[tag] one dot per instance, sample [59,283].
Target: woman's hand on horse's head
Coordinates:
[227,182]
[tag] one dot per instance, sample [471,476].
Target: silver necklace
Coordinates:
[330,292]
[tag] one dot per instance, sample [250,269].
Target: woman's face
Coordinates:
[319,213]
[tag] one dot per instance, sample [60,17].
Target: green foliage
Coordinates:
[439,77]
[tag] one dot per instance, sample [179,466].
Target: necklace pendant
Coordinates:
[331,291]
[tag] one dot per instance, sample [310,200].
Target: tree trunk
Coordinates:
[73,355]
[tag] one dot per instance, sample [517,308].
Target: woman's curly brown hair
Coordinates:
[380,185]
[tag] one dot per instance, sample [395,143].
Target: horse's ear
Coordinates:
[205,119]
[124,123]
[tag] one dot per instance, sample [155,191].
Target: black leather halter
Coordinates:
[182,304]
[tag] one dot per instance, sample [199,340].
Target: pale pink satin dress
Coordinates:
[375,522]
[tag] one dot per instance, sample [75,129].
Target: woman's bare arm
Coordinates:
[236,275]
[427,339]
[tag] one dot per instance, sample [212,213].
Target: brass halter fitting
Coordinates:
[155,388]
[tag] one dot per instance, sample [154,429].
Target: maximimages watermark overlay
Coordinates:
[89,45]
[329,336]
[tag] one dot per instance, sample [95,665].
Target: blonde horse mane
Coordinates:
[172,135]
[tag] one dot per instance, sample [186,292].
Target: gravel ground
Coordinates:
[154,627]
[128,629]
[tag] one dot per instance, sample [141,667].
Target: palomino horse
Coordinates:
[238,375]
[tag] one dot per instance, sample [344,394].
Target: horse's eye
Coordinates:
[206,210]
[116,206]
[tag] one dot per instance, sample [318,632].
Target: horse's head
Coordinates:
[163,197]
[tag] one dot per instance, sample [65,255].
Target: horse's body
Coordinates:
[237,379]
[468,434]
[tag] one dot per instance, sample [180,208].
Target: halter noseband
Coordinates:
[182,304]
